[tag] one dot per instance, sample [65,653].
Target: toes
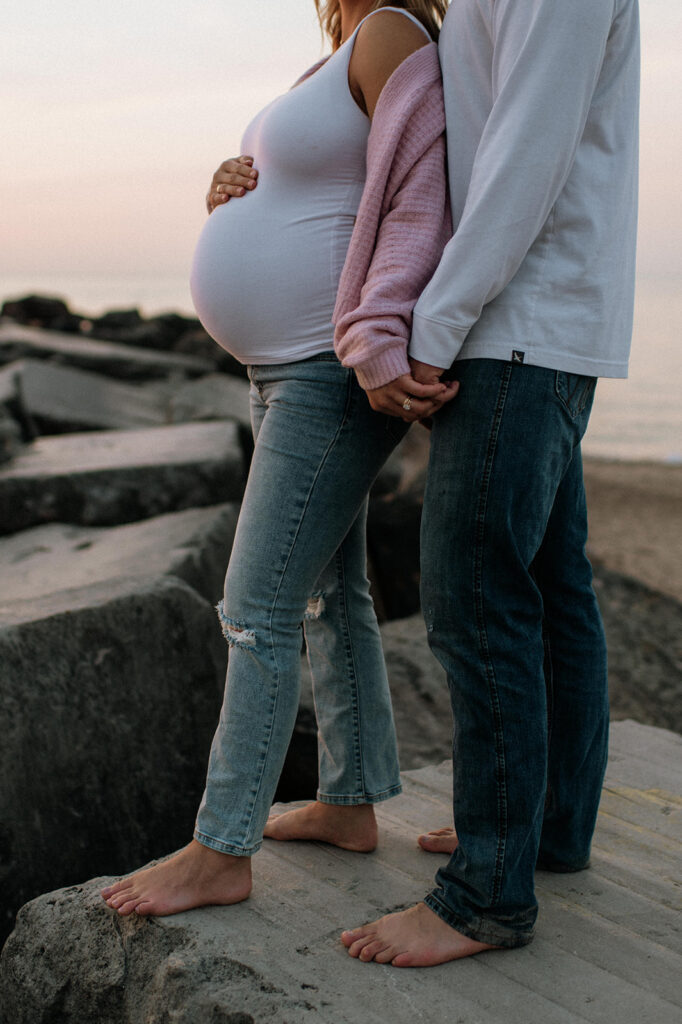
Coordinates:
[357,947]
[387,955]
[111,890]
[120,898]
[443,841]
[349,937]
[373,951]
[401,960]
[431,843]
[425,841]
[144,909]
[126,908]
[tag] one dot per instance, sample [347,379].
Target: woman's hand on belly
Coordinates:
[232,179]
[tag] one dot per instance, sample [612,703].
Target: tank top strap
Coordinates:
[337,64]
[399,10]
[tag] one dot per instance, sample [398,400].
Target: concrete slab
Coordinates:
[61,398]
[193,545]
[607,950]
[126,361]
[112,477]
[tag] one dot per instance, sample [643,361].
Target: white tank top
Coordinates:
[267,265]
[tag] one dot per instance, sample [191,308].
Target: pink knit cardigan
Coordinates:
[402,225]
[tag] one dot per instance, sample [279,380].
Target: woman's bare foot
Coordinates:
[440,840]
[194,877]
[412,938]
[350,827]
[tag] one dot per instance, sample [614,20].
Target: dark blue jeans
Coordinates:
[512,617]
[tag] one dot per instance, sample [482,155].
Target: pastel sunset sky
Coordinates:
[115,115]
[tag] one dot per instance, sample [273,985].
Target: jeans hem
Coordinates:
[355,799]
[220,847]
[559,867]
[480,929]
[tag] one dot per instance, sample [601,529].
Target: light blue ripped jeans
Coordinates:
[299,561]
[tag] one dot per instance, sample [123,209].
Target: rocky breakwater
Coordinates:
[123,465]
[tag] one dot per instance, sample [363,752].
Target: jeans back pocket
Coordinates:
[575,391]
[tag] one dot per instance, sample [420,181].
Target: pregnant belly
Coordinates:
[264,286]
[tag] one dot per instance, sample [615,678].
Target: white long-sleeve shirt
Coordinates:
[542,104]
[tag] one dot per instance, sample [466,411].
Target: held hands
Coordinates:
[415,396]
[233,178]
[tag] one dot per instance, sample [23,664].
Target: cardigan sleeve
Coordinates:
[372,338]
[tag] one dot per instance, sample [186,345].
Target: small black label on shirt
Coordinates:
[517,356]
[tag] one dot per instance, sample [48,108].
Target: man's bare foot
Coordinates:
[194,877]
[412,938]
[440,840]
[350,827]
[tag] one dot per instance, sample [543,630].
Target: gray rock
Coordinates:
[421,703]
[644,638]
[10,436]
[196,342]
[9,383]
[41,311]
[61,399]
[214,397]
[117,360]
[110,697]
[131,972]
[105,478]
[193,545]
[405,470]
[393,523]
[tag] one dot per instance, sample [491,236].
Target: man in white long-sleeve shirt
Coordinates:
[532,301]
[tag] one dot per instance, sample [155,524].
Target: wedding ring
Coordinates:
[407,404]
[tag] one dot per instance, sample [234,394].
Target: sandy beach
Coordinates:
[635,521]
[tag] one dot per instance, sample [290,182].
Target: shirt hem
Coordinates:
[568,362]
[296,355]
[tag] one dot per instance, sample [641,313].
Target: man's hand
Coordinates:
[410,399]
[427,374]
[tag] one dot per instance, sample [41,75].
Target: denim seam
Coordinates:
[501,780]
[230,848]
[270,723]
[348,647]
[479,930]
[355,799]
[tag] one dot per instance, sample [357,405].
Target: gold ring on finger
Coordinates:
[407,404]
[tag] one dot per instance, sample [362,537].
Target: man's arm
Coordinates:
[547,56]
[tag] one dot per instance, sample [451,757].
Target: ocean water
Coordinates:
[635,419]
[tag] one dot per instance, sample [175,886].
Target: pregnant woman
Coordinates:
[350,201]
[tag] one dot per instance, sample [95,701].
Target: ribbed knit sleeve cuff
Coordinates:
[382,368]
[434,342]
